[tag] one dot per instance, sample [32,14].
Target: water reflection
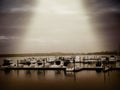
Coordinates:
[107,77]
[57,74]
[17,73]
[39,73]
[28,73]
[80,78]
[7,72]
[98,71]
[71,75]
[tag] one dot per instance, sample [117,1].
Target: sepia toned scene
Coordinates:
[59,44]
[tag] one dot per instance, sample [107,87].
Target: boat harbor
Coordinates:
[65,63]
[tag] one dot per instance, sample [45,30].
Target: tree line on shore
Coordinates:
[60,54]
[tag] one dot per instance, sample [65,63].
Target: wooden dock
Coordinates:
[93,69]
[81,69]
[64,69]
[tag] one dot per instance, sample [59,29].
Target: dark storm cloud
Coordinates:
[13,24]
[106,18]
[104,10]
[11,6]
[16,20]
[7,4]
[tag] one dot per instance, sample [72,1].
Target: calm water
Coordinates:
[54,80]
[59,80]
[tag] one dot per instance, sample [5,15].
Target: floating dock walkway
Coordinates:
[63,69]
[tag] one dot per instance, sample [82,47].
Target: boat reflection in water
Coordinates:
[37,79]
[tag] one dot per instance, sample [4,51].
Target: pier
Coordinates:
[64,69]
[66,64]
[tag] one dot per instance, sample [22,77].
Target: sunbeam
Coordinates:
[60,26]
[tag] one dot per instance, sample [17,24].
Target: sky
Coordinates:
[43,26]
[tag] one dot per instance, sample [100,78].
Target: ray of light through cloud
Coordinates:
[60,26]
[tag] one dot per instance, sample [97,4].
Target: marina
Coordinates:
[65,63]
[73,72]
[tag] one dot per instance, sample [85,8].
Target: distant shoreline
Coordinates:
[58,54]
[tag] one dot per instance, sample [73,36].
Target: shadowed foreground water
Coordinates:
[58,80]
